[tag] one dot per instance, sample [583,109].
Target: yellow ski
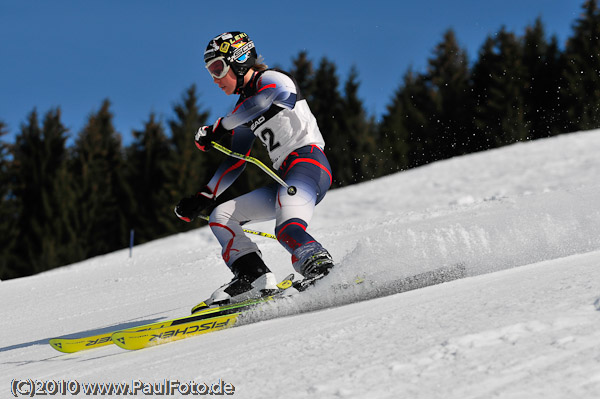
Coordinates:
[133,340]
[71,345]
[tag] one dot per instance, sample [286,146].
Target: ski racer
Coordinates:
[272,109]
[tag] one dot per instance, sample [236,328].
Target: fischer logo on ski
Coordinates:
[189,330]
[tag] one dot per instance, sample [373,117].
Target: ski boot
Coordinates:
[252,279]
[314,268]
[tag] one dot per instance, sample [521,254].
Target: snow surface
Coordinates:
[524,222]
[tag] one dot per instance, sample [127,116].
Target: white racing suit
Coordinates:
[272,109]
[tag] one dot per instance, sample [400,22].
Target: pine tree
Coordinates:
[303,72]
[542,81]
[148,175]
[8,211]
[394,135]
[189,167]
[555,115]
[45,230]
[104,200]
[359,131]
[402,131]
[481,82]
[448,77]
[498,79]
[326,106]
[582,74]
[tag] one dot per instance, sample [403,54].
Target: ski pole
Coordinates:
[258,233]
[291,190]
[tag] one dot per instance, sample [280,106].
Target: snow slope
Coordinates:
[524,322]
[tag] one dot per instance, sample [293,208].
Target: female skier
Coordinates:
[271,108]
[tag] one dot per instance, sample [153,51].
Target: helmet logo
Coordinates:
[224,47]
[241,53]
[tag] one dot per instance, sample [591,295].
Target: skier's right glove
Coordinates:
[207,134]
[189,208]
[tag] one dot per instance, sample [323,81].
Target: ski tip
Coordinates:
[57,343]
[119,339]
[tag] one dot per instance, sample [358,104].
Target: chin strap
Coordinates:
[239,84]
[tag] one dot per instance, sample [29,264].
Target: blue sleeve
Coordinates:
[273,88]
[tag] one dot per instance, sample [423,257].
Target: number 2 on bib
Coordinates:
[268,138]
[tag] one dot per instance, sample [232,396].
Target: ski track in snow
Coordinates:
[522,322]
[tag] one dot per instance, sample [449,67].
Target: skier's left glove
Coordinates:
[207,134]
[189,208]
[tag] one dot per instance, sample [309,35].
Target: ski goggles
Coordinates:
[217,67]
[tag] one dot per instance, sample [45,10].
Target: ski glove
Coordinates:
[206,134]
[189,208]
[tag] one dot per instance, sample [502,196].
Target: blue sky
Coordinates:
[143,54]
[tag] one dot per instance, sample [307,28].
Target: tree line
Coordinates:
[62,204]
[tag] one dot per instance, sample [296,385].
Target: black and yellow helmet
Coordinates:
[232,50]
